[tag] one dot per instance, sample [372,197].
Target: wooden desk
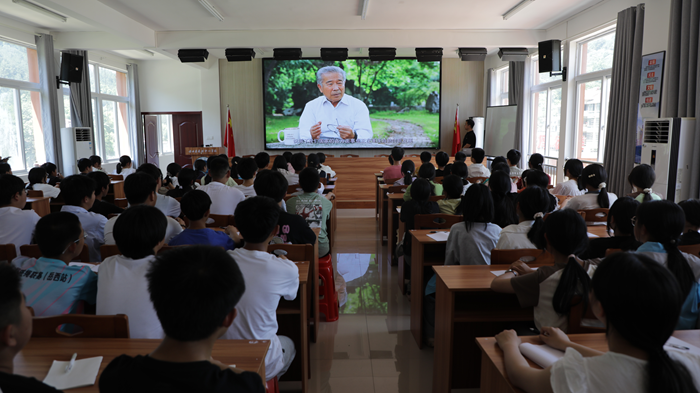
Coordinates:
[493,378]
[383,207]
[379,180]
[292,318]
[116,188]
[465,304]
[39,204]
[393,200]
[36,358]
[425,252]
[598,230]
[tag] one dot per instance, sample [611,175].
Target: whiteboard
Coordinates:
[499,129]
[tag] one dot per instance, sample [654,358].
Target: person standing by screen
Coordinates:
[469,141]
[334,115]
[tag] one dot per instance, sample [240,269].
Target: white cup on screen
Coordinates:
[290,135]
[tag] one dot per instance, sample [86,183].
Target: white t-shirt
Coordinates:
[17,226]
[515,236]
[610,372]
[515,171]
[122,288]
[125,172]
[267,280]
[568,188]
[173,229]
[479,170]
[224,199]
[349,112]
[247,191]
[292,178]
[47,189]
[589,201]
[168,205]
[94,226]
[328,170]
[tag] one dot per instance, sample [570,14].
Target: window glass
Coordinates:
[10,144]
[109,131]
[108,81]
[123,128]
[554,122]
[34,151]
[93,86]
[589,120]
[16,62]
[166,132]
[597,54]
[544,76]
[539,121]
[66,111]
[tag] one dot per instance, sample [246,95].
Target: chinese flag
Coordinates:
[228,140]
[456,138]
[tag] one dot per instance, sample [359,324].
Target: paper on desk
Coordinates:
[678,345]
[398,209]
[83,373]
[543,355]
[90,265]
[502,272]
[592,235]
[439,236]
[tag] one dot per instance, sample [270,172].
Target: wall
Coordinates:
[241,89]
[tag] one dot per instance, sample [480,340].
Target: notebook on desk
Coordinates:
[83,373]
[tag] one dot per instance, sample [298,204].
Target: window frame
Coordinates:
[501,89]
[98,120]
[539,88]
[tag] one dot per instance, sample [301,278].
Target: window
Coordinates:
[546,97]
[110,112]
[594,72]
[501,96]
[165,131]
[21,133]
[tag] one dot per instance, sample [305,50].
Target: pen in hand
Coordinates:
[72,362]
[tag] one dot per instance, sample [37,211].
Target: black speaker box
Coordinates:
[334,54]
[428,54]
[193,55]
[71,68]
[379,54]
[287,53]
[549,56]
[240,54]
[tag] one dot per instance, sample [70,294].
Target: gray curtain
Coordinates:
[683,82]
[620,139]
[50,124]
[136,135]
[80,97]
[516,96]
[489,88]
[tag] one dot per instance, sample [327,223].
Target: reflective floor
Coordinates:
[370,348]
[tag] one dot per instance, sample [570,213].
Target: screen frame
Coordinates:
[264,131]
[485,120]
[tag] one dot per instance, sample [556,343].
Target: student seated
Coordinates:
[15,331]
[288,156]
[441,159]
[540,179]
[5,169]
[425,157]
[268,278]
[313,162]
[193,314]
[195,206]
[16,225]
[427,172]
[504,212]
[280,165]
[690,236]
[247,170]
[51,287]
[185,181]
[52,172]
[171,180]
[262,160]
[460,169]
[124,167]
[102,182]
[313,207]
[513,156]
[593,178]
[460,156]
[452,190]
[550,289]
[477,169]
[572,170]
[200,166]
[168,205]
[642,178]
[79,194]
[531,206]
[536,162]
[121,285]
[96,162]
[224,199]
[37,181]
[622,238]
[408,171]
[298,164]
[140,189]
[84,166]
[393,171]
[639,303]
[292,228]
[324,167]
[420,203]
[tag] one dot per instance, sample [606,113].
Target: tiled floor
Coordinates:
[370,348]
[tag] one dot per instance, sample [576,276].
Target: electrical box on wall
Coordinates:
[76,143]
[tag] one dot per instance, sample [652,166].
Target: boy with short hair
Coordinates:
[168,205]
[224,199]
[452,190]
[96,162]
[298,163]
[314,208]
[193,314]
[394,171]
[15,331]
[102,182]
[79,194]
[200,166]
[425,157]
[268,279]
[690,236]
[140,189]
[16,225]
[247,169]
[324,167]
[52,287]
[262,160]
[513,158]
[441,159]
[292,228]
[477,169]
[195,205]
[121,285]
[84,166]
[5,169]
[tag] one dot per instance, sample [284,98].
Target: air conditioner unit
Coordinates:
[77,143]
[667,146]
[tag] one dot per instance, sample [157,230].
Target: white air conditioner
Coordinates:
[77,143]
[667,147]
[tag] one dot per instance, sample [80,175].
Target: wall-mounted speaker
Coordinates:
[287,53]
[472,54]
[549,56]
[334,54]
[193,55]
[71,68]
[381,54]
[513,54]
[429,54]
[240,54]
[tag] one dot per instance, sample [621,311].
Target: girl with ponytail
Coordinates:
[504,208]
[408,171]
[124,166]
[551,289]
[641,179]
[531,206]
[593,179]
[536,162]
[427,172]
[420,203]
[638,300]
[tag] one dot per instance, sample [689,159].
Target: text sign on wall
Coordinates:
[650,85]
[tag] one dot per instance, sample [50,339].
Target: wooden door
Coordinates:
[187,132]
[150,125]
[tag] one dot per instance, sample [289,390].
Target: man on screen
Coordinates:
[334,115]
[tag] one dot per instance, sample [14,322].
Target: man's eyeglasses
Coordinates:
[634,221]
[76,241]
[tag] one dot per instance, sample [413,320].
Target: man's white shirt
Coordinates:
[168,205]
[349,112]
[94,226]
[17,226]
[224,199]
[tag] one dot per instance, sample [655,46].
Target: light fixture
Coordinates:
[515,9]
[211,9]
[41,10]
[365,4]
